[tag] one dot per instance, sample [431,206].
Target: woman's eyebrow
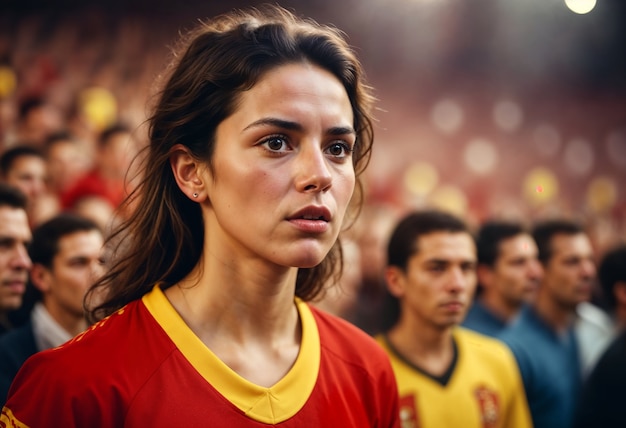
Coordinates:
[341,130]
[295,126]
[279,123]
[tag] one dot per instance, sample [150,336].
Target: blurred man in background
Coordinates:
[67,161]
[447,376]
[36,119]
[543,337]
[66,253]
[25,167]
[15,263]
[508,276]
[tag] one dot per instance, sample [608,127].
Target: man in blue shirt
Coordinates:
[508,275]
[543,338]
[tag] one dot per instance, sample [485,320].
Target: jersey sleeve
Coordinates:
[46,392]
[518,414]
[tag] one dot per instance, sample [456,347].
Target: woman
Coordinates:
[256,143]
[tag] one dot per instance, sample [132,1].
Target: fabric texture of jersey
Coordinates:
[144,367]
[484,391]
[550,368]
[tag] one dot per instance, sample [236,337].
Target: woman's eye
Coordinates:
[275,143]
[339,150]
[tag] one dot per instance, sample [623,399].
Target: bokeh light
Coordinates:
[601,194]
[447,116]
[540,186]
[547,140]
[616,148]
[480,156]
[449,198]
[8,81]
[508,115]
[99,107]
[578,156]
[421,178]
[581,6]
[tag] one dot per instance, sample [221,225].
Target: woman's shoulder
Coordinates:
[345,339]
[97,372]
[124,342]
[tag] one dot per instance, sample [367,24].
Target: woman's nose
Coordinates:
[312,170]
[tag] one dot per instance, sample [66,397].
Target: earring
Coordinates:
[195,195]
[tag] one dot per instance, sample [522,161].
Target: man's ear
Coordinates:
[619,290]
[484,274]
[396,280]
[40,277]
[187,173]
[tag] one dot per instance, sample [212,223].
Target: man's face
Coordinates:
[569,273]
[438,286]
[77,264]
[516,272]
[14,260]
[28,173]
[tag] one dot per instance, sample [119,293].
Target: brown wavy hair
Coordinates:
[214,63]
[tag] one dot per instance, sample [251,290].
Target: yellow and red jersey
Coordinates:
[484,388]
[144,367]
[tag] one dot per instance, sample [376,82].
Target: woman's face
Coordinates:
[283,174]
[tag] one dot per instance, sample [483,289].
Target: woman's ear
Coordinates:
[187,173]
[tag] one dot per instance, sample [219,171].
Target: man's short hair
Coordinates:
[404,238]
[12,197]
[46,237]
[544,231]
[489,237]
[9,157]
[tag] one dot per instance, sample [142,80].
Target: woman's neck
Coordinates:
[253,327]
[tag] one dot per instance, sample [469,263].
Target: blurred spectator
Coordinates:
[105,183]
[14,260]
[66,160]
[66,254]
[36,120]
[98,210]
[438,365]
[24,167]
[543,337]
[508,275]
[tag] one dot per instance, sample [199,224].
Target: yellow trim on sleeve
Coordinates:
[8,419]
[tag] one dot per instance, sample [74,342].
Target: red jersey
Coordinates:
[144,367]
[93,185]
